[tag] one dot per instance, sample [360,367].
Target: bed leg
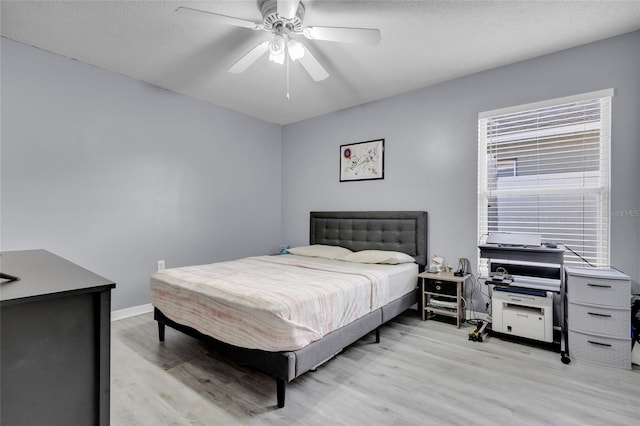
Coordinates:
[377,335]
[161,331]
[281,387]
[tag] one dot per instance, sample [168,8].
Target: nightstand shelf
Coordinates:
[442,294]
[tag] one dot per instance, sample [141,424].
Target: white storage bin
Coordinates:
[600,349]
[599,315]
[599,291]
[598,320]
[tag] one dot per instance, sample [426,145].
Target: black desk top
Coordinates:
[530,249]
[540,254]
[43,274]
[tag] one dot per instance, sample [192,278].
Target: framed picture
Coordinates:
[362,161]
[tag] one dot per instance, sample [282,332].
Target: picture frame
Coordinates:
[362,161]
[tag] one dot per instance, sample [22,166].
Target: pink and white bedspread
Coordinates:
[273,303]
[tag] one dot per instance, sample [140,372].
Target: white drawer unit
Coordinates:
[599,315]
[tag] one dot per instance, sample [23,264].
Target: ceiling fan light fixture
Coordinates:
[296,50]
[276,49]
[277,58]
[276,46]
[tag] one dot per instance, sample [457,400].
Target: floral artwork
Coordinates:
[362,161]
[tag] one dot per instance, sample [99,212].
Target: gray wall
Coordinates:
[115,174]
[431,148]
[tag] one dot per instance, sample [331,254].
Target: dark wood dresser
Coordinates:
[55,335]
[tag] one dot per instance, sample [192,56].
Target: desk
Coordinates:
[55,337]
[444,287]
[536,262]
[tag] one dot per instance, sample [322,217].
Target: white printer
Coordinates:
[524,313]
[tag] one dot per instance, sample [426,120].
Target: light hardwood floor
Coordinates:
[420,373]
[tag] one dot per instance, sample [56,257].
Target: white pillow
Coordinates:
[320,250]
[379,256]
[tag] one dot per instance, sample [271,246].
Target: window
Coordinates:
[506,167]
[544,169]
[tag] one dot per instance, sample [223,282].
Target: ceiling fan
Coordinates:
[284,20]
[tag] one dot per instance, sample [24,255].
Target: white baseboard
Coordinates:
[131,312]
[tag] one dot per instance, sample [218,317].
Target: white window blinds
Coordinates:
[544,169]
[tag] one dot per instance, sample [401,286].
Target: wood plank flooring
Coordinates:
[425,373]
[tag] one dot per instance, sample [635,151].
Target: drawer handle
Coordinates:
[599,315]
[598,343]
[598,285]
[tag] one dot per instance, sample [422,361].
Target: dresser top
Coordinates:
[43,274]
[606,273]
[444,276]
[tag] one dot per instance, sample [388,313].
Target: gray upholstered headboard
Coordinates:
[404,231]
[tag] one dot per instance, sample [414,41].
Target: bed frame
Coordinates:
[404,231]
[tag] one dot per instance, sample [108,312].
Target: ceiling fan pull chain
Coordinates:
[286,60]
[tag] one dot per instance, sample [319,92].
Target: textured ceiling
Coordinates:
[423,43]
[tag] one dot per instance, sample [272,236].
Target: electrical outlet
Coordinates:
[160,265]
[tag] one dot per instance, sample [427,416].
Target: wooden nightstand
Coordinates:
[442,295]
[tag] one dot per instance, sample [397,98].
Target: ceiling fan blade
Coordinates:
[313,67]
[344,35]
[222,19]
[287,8]
[248,59]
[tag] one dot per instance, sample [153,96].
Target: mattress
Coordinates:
[403,278]
[277,303]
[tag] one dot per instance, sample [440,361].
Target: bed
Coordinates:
[350,299]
